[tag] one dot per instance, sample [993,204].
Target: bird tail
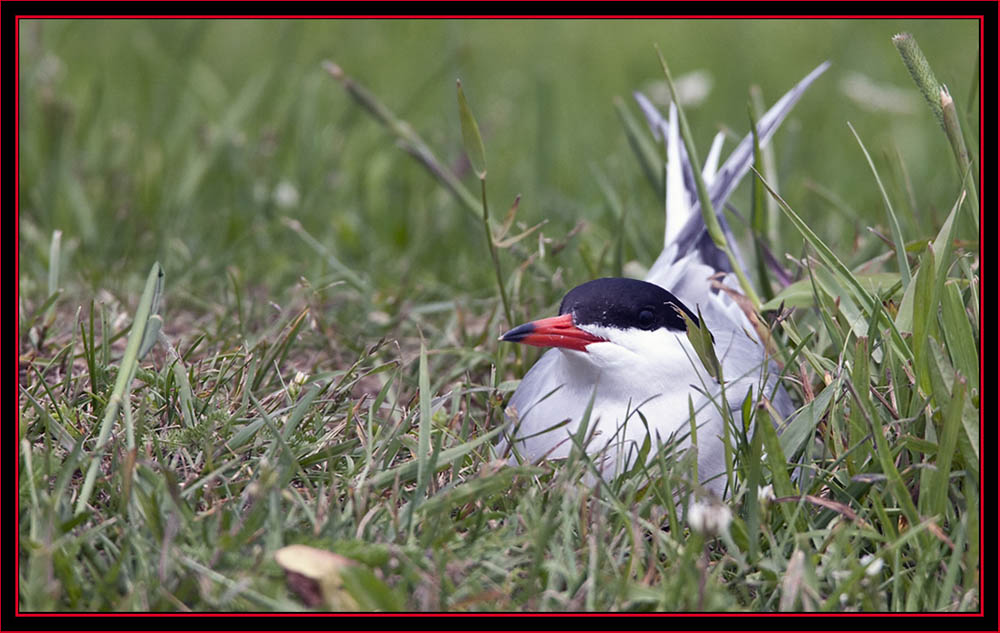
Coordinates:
[686,242]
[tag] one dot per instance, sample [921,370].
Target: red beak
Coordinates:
[552,332]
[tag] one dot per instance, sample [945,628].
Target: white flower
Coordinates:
[709,518]
[286,195]
[872,564]
[765,495]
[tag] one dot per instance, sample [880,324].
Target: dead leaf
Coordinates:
[314,575]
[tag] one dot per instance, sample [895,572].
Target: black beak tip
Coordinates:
[517,334]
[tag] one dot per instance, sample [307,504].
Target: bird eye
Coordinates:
[646,319]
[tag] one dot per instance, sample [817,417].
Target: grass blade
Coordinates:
[470,134]
[897,233]
[844,274]
[122,388]
[411,141]
[706,208]
[649,158]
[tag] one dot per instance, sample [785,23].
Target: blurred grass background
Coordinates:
[187,141]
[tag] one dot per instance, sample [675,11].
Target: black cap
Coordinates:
[622,303]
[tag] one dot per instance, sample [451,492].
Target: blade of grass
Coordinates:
[54,266]
[410,140]
[760,212]
[803,425]
[952,422]
[649,158]
[408,471]
[123,381]
[706,208]
[838,267]
[957,330]
[885,457]
[924,318]
[424,429]
[477,157]
[897,233]
[942,247]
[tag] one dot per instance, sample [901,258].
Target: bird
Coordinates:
[619,346]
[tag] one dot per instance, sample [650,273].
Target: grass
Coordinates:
[317,364]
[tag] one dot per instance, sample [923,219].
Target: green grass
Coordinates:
[318,364]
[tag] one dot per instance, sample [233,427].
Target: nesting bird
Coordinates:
[620,346]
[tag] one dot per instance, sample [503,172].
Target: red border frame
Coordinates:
[17,18]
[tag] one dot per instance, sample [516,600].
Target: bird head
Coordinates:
[618,324]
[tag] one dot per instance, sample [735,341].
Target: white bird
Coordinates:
[623,342]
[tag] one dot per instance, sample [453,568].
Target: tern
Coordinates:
[620,346]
